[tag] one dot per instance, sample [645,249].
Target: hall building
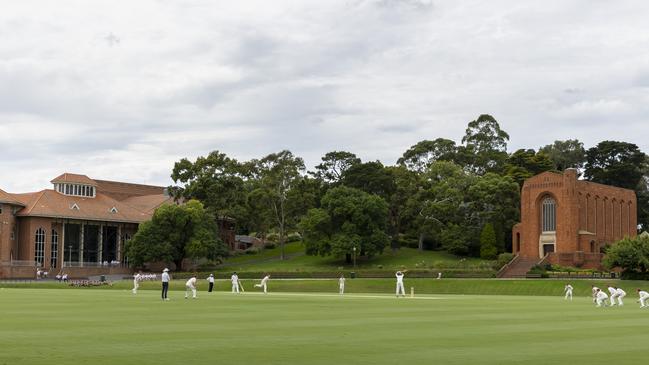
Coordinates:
[568,222]
[79,226]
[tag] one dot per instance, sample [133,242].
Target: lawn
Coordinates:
[80,326]
[268,260]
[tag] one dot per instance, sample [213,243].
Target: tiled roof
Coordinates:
[133,203]
[148,203]
[9,198]
[49,203]
[121,190]
[74,178]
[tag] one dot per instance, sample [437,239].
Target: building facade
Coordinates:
[80,226]
[567,221]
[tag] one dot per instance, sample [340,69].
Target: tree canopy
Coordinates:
[348,218]
[176,232]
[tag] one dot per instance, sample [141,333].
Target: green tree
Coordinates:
[420,156]
[371,177]
[347,218]
[488,249]
[524,164]
[494,199]
[215,180]
[615,163]
[279,173]
[629,254]
[334,164]
[566,154]
[484,146]
[176,232]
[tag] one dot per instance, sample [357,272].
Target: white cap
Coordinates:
[211,274]
[165,270]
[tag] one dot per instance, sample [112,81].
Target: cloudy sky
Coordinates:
[122,89]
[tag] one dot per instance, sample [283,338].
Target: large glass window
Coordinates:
[109,244]
[72,242]
[55,249]
[91,243]
[549,215]
[39,251]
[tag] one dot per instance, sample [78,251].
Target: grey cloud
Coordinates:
[368,76]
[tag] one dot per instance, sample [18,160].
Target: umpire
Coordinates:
[165,283]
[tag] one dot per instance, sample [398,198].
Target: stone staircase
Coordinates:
[518,267]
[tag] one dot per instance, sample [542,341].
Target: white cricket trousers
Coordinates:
[643,301]
[568,295]
[136,285]
[342,289]
[613,299]
[400,289]
[261,286]
[601,301]
[193,290]
[235,288]
[619,299]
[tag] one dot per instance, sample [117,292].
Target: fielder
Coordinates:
[643,298]
[613,291]
[601,298]
[264,283]
[210,279]
[341,284]
[568,290]
[235,282]
[595,290]
[400,288]
[190,285]
[136,282]
[620,295]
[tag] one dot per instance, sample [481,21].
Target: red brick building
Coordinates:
[568,221]
[79,226]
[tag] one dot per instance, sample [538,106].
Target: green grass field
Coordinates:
[268,260]
[81,326]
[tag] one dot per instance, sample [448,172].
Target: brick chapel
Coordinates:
[569,221]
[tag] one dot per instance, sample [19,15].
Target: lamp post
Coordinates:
[354,249]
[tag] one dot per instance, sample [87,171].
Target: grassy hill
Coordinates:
[298,261]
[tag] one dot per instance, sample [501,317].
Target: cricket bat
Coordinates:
[241,286]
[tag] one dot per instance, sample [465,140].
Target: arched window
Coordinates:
[39,251]
[55,248]
[549,215]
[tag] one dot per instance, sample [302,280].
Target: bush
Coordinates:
[273,236]
[488,249]
[504,259]
[293,237]
[252,251]
[270,245]
[634,275]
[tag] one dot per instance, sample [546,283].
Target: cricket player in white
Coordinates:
[341,284]
[644,296]
[613,293]
[263,283]
[595,290]
[190,285]
[400,288]
[136,282]
[568,290]
[235,282]
[601,298]
[620,294]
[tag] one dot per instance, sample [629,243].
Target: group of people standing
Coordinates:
[191,284]
[615,296]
